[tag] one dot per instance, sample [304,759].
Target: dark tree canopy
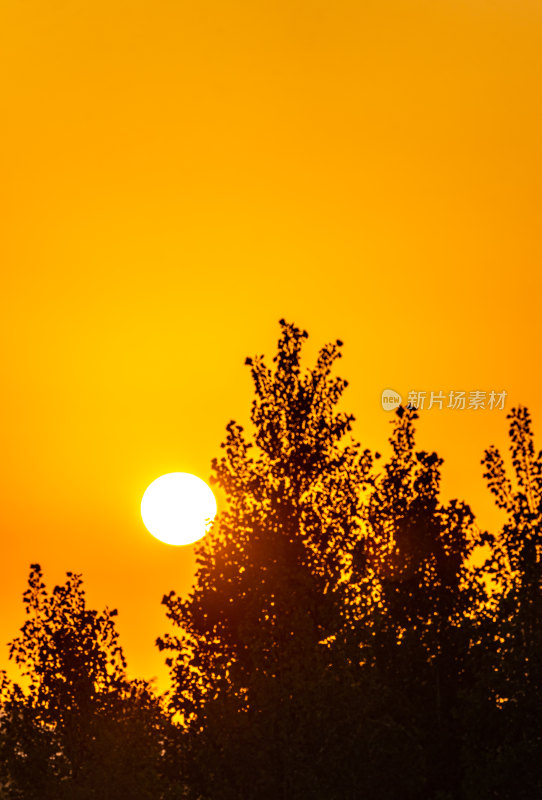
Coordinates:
[322,580]
[349,634]
[511,656]
[279,558]
[80,729]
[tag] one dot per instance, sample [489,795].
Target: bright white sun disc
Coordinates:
[178,508]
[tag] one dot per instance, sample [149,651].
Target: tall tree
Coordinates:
[80,729]
[272,705]
[428,593]
[507,752]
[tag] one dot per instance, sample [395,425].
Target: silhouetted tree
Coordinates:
[80,729]
[505,738]
[340,642]
[263,668]
[420,550]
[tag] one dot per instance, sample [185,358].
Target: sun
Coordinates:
[178,508]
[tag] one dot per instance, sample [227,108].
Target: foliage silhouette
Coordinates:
[277,559]
[284,607]
[343,639]
[428,593]
[340,639]
[510,663]
[81,729]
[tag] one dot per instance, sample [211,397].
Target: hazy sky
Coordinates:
[176,177]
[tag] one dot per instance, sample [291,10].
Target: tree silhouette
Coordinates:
[510,663]
[420,550]
[81,729]
[340,641]
[264,669]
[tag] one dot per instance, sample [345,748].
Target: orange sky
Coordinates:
[177,176]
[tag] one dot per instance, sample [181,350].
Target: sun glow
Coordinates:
[178,508]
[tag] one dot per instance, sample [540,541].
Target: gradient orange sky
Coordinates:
[177,176]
